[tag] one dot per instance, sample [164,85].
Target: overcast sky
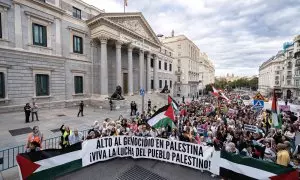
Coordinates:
[237,35]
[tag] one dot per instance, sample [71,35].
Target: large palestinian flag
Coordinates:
[173,103]
[234,166]
[162,117]
[275,120]
[49,163]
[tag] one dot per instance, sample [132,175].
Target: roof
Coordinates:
[107,17]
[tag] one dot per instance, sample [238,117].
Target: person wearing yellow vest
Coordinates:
[267,121]
[65,130]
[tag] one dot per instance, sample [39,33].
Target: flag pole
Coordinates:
[124,1]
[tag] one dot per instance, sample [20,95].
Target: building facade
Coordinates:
[56,52]
[282,72]
[193,69]
[208,71]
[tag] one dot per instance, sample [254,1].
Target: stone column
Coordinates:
[18,27]
[92,68]
[155,75]
[118,64]
[141,58]
[130,71]
[149,72]
[103,64]
[58,36]
[57,3]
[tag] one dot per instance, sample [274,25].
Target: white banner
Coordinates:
[250,128]
[178,152]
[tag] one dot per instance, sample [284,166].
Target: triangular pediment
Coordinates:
[134,22]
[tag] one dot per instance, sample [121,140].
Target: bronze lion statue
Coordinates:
[117,95]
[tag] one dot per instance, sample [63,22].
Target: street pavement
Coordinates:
[118,169]
[51,119]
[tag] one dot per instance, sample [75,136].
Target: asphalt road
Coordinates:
[142,169]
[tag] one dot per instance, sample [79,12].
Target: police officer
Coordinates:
[27,110]
[81,105]
[111,104]
[149,105]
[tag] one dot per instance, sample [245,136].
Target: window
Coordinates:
[77,45]
[0,26]
[297,83]
[42,0]
[76,13]
[170,84]
[152,63]
[297,72]
[170,67]
[170,54]
[152,84]
[166,82]
[165,51]
[78,83]
[166,66]
[42,84]
[277,72]
[39,34]
[160,83]
[2,85]
[159,64]
[179,54]
[289,73]
[179,46]
[288,82]
[277,78]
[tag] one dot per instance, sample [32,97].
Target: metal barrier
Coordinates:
[8,156]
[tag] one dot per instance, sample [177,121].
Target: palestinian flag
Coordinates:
[234,166]
[215,91]
[49,163]
[274,112]
[219,93]
[162,117]
[173,103]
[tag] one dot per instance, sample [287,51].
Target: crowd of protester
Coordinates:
[207,121]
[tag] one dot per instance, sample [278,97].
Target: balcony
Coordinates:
[289,77]
[297,64]
[297,54]
[289,67]
[179,72]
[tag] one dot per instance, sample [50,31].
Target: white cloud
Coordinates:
[238,35]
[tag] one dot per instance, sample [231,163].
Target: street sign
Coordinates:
[258,103]
[258,96]
[142,92]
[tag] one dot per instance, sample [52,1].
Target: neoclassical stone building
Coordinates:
[56,52]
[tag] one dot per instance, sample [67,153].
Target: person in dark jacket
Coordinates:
[27,110]
[111,104]
[149,106]
[81,105]
[132,108]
